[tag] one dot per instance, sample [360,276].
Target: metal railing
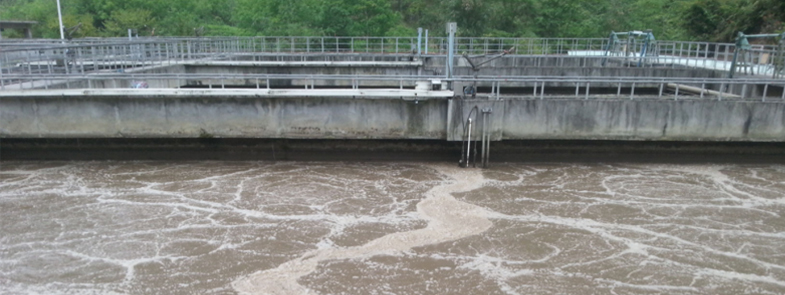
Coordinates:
[494,86]
[402,45]
[51,55]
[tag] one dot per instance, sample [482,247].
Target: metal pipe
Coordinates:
[451,28]
[468,143]
[419,41]
[697,90]
[482,143]
[426,42]
[60,18]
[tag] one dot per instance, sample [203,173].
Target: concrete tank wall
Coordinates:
[240,117]
[682,120]
[253,116]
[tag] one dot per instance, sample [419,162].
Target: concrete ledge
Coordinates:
[406,94]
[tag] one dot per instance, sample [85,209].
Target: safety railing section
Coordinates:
[490,87]
[80,55]
[81,59]
[399,45]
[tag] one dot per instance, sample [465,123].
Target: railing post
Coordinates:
[703,89]
[535,89]
[577,88]
[419,41]
[588,86]
[744,91]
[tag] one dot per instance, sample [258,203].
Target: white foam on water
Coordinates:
[448,219]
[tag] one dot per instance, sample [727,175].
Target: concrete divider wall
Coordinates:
[683,120]
[239,117]
[367,118]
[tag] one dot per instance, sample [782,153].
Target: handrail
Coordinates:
[38,56]
[458,78]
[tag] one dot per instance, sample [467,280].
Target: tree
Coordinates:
[122,20]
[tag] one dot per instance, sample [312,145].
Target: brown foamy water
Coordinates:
[390,228]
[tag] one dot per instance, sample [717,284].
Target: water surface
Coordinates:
[363,228]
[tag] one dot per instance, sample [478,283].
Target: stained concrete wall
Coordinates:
[239,117]
[252,116]
[655,119]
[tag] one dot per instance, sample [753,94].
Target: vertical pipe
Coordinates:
[765,91]
[451,28]
[2,83]
[535,88]
[588,86]
[484,134]
[60,18]
[488,146]
[419,41]
[676,97]
[426,42]
[735,56]
[577,88]
[468,143]
[703,89]
[744,91]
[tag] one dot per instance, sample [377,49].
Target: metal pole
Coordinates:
[735,55]
[451,28]
[419,41]
[468,143]
[426,42]
[483,163]
[60,18]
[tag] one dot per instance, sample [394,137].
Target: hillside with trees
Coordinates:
[708,20]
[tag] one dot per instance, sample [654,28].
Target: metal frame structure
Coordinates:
[20,56]
[629,47]
[744,49]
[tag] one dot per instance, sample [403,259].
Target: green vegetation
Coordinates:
[711,20]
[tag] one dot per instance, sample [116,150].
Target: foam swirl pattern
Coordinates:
[390,228]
